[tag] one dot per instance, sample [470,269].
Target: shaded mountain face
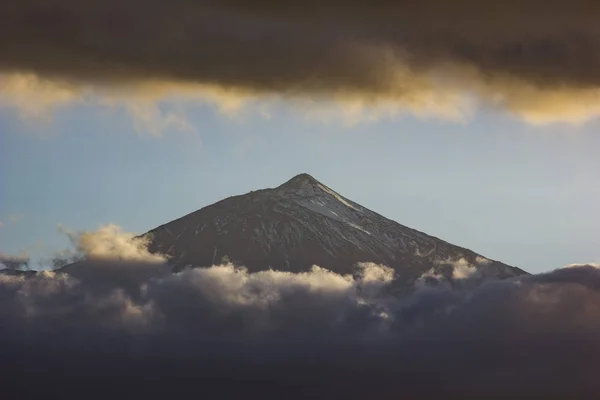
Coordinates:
[304,223]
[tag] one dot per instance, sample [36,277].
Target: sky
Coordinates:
[487,140]
[525,196]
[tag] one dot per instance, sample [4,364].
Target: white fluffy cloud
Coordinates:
[110,243]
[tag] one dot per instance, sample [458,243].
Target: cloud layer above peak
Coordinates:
[535,59]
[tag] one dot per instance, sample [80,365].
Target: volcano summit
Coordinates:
[302,223]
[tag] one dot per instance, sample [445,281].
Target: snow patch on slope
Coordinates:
[337,197]
[331,205]
[359,228]
[326,207]
[318,198]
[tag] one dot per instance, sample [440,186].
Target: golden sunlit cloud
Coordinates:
[355,61]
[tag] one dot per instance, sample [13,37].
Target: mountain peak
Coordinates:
[299,224]
[300,181]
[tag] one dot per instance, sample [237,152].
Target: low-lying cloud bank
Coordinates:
[535,59]
[14,261]
[123,326]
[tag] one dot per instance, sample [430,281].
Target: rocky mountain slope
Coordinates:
[302,223]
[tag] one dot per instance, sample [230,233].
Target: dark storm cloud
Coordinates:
[290,45]
[117,324]
[529,57]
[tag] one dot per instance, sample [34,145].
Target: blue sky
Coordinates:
[518,193]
